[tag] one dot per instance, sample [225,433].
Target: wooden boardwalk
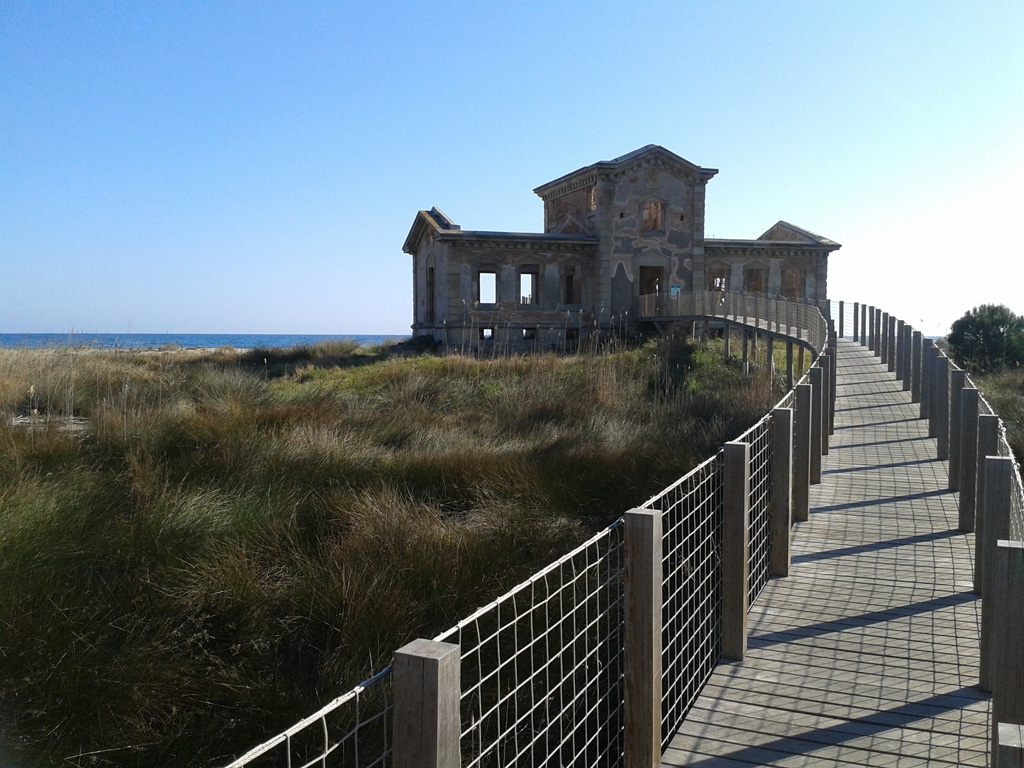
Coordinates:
[867,654]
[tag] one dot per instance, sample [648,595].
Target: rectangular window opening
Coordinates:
[571,288]
[431,307]
[487,288]
[528,282]
[486,334]
[652,216]
[529,334]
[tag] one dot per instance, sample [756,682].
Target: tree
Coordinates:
[987,338]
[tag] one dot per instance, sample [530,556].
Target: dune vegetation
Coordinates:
[198,548]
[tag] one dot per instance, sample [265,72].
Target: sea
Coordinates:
[184,340]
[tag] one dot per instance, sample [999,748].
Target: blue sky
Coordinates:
[254,167]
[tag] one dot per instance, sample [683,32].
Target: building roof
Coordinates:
[446,229]
[781,235]
[652,154]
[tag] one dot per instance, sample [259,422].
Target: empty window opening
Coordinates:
[529,334]
[431,307]
[793,283]
[652,216]
[755,280]
[718,279]
[570,287]
[486,334]
[572,334]
[487,288]
[528,282]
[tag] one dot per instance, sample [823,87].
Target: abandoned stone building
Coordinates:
[614,232]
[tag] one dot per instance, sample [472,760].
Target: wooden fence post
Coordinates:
[957,380]
[782,488]
[841,319]
[1009,746]
[427,724]
[915,374]
[817,397]
[643,598]
[871,328]
[833,356]
[826,400]
[802,452]
[890,331]
[863,325]
[942,407]
[1007,666]
[883,338]
[856,321]
[968,457]
[996,512]
[908,358]
[988,446]
[901,351]
[735,549]
[924,407]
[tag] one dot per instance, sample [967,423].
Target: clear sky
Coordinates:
[254,167]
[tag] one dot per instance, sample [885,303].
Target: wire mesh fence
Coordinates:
[542,675]
[352,731]
[692,588]
[542,666]
[760,532]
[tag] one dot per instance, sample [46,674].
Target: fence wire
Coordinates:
[760,501]
[692,588]
[542,675]
[353,731]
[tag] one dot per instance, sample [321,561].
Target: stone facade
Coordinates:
[613,232]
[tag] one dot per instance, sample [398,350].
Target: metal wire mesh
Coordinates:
[760,500]
[542,676]
[692,588]
[353,731]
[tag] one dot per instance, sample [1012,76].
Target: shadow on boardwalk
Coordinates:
[867,654]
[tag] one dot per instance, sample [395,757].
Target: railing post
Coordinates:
[928,353]
[864,325]
[817,398]
[842,310]
[908,358]
[941,401]
[915,373]
[999,481]
[878,332]
[957,380]
[825,361]
[1007,666]
[901,351]
[883,338]
[871,328]
[735,549]
[1009,746]
[856,319]
[643,597]
[782,488]
[789,365]
[988,446]
[427,724]
[893,341]
[833,386]
[968,457]
[802,451]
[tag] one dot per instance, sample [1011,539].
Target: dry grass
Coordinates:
[227,541]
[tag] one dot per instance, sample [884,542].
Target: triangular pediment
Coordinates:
[652,154]
[433,220]
[784,232]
